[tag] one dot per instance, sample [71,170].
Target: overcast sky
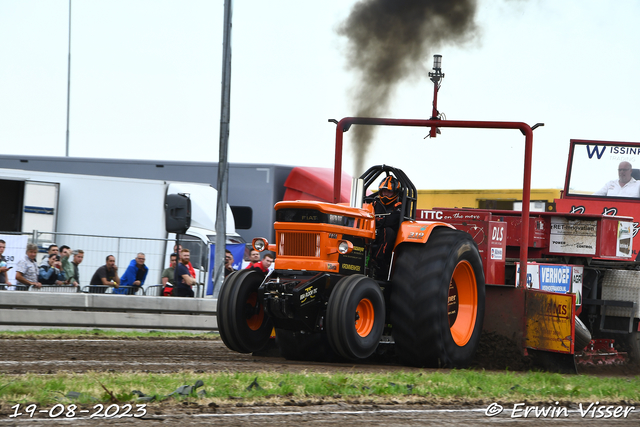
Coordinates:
[146,74]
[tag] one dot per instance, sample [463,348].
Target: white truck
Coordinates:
[109,216]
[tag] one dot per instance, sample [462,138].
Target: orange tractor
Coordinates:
[453,274]
[324,301]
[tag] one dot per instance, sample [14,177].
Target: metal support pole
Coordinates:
[223,165]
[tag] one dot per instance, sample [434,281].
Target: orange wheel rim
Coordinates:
[255,320]
[365,316]
[463,303]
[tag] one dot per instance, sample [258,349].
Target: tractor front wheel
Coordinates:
[355,317]
[242,322]
[437,300]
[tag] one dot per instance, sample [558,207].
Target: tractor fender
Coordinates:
[418,231]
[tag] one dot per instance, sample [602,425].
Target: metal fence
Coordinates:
[124,249]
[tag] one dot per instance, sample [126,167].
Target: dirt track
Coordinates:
[49,356]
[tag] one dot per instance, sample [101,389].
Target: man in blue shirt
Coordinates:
[134,276]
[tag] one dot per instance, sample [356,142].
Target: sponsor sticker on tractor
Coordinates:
[625,238]
[533,276]
[555,278]
[550,324]
[573,236]
[562,279]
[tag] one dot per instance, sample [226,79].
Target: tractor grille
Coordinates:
[299,244]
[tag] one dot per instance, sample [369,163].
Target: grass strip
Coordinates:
[223,387]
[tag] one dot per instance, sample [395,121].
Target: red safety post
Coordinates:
[344,125]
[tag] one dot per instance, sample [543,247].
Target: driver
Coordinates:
[388,211]
[624,186]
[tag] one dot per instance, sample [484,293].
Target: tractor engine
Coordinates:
[316,245]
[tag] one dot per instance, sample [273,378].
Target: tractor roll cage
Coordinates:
[407,189]
[343,126]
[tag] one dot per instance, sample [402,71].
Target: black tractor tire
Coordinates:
[221,310]
[583,336]
[243,324]
[628,342]
[438,300]
[631,344]
[355,317]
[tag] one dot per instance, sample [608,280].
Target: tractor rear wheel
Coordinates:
[438,300]
[242,322]
[355,317]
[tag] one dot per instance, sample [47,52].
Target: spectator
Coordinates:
[254,257]
[228,263]
[27,268]
[183,279]
[4,278]
[107,275]
[134,276]
[65,253]
[177,250]
[264,265]
[53,249]
[52,273]
[168,276]
[78,256]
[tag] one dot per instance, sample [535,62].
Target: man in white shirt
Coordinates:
[624,186]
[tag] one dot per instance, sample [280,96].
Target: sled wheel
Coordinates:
[582,336]
[624,341]
[243,324]
[355,317]
[437,300]
[631,344]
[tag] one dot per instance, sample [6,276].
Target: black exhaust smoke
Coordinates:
[389,41]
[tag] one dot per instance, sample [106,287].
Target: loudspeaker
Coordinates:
[177,213]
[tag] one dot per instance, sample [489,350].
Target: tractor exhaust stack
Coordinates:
[436,77]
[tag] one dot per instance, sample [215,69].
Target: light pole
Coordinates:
[223,164]
[68,82]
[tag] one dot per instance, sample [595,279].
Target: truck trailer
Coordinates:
[253,188]
[65,208]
